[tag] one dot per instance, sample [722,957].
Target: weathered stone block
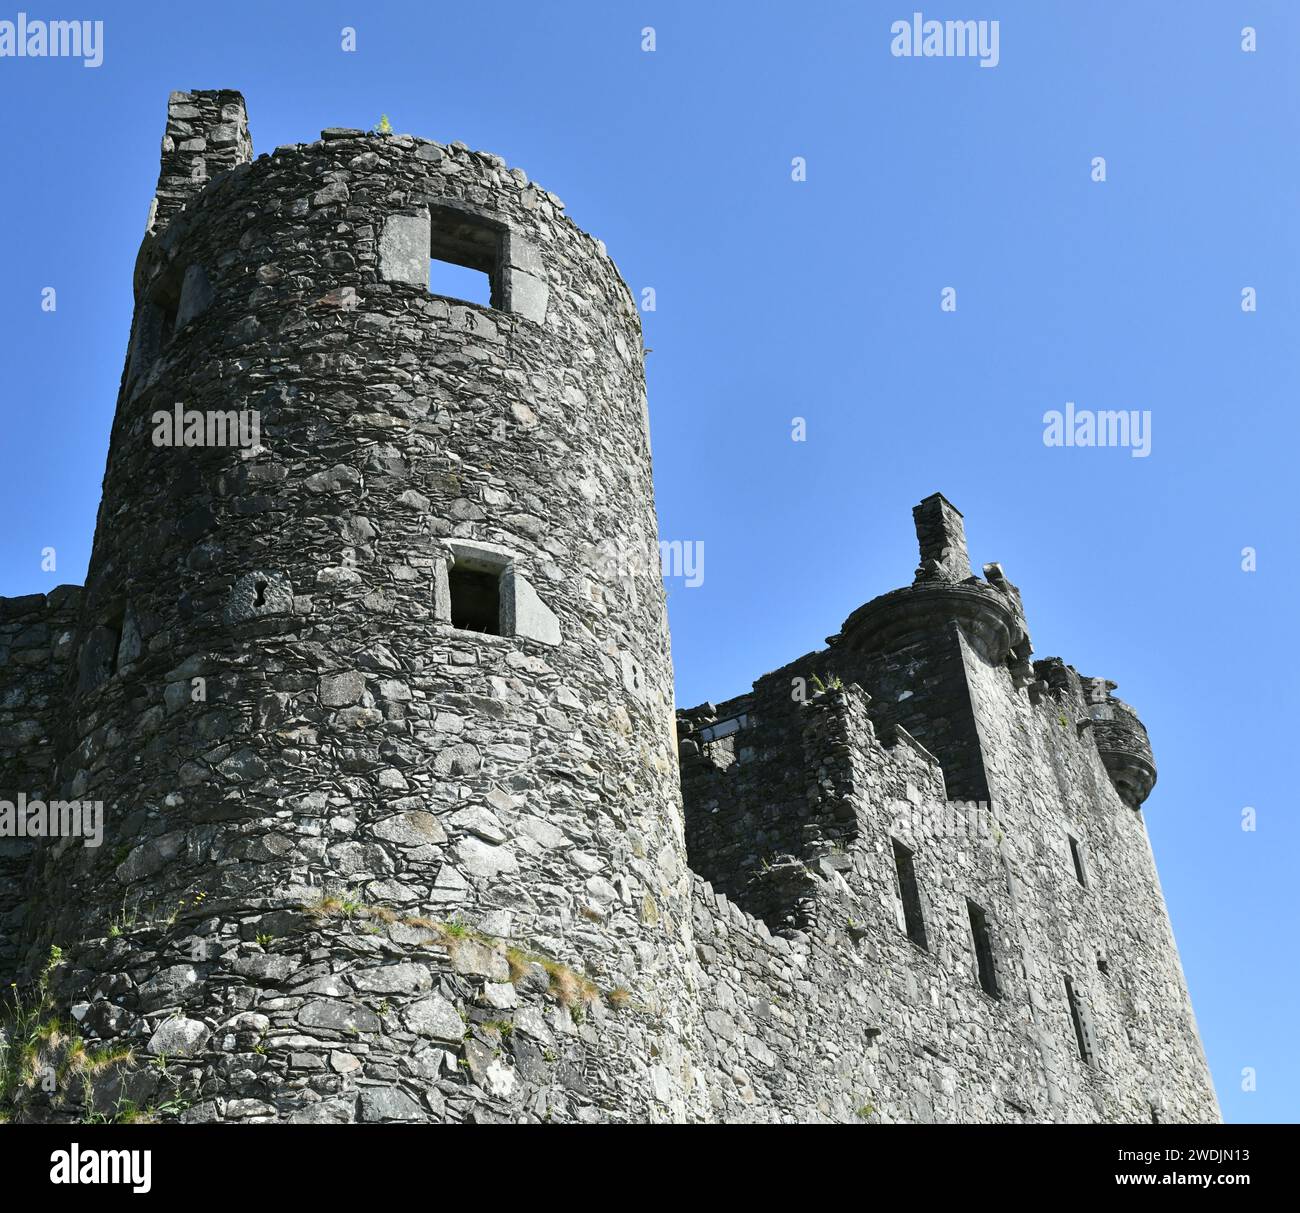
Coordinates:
[404,249]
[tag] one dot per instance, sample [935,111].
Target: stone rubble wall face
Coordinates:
[849,1020]
[350,743]
[1049,781]
[329,813]
[37,634]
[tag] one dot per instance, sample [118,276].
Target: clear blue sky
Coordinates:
[820,299]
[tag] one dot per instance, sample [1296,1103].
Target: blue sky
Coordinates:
[820,299]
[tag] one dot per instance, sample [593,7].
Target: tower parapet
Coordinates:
[910,646]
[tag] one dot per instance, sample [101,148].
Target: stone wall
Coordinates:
[1079,1011]
[849,1020]
[336,820]
[206,135]
[36,645]
[379,709]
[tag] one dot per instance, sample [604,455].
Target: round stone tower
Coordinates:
[371,681]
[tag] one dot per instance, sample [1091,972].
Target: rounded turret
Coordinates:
[382,732]
[1121,741]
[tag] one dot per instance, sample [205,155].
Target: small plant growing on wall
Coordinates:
[833,683]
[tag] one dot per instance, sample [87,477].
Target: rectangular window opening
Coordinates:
[475,600]
[910,893]
[1080,874]
[1082,1028]
[459,282]
[724,728]
[979,929]
[464,258]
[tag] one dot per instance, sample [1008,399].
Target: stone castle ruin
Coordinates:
[398,820]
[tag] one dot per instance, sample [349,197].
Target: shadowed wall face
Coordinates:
[37,646]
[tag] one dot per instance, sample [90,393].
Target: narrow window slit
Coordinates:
[979,929]
[168,322]
[1082,1027]
[910,894]
[115,624]
[1080,873]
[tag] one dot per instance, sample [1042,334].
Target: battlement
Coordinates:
[751,777]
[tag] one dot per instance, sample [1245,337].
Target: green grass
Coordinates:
[566,984]
[38,1050]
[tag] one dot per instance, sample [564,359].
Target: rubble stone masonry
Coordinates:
[394,823]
